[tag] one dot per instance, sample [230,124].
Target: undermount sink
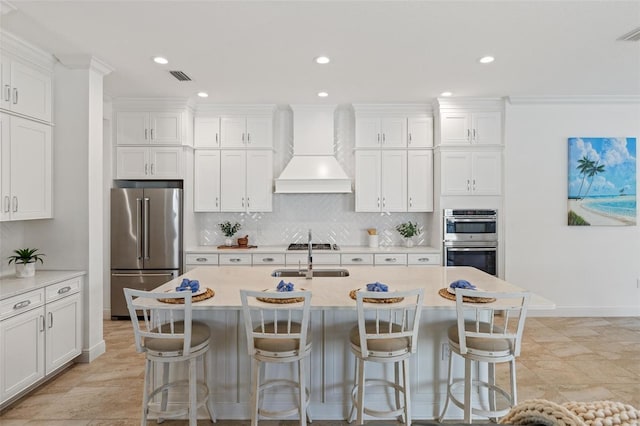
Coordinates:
[316,273]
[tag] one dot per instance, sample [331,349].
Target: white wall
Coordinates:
[11,238]
[586,271]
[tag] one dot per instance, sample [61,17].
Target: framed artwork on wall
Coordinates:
[602,182]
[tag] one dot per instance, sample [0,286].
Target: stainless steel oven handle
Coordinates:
[472,249]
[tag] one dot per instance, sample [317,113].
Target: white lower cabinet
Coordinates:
[390,259]
[139,162]
[268,259]
[357,259]
[429,259]
[237,259]
[40,331]
[295,259]
[195,260]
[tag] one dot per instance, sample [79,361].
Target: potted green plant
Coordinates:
[25,260]
[408,230]
[229,230]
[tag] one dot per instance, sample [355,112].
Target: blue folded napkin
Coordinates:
[377,286]
[187,284]
[282,286]
[462,284]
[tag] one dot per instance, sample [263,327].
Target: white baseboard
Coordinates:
[88,355]
[587,311]
[106,314]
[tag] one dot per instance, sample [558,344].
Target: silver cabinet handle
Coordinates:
[384,138]
[469,135]
[217,139]
[248,204]
[423,259]
[384,202]
[146,134]
[248,137]
[468,185]
[391,259]
[15,204]
[474,184]
[146,169]
[15,96]
[378,201]
[378,137]
[410,202]
[64,290]
[50,319]
[242,202]
[22,304]
[7,204]
[409,138]
[42,323]
[357,259]
[243,138]
[216,201]
[268,259]
[201,259]
[7,96]
[151,134]
[152,168]
[235,260]
[475,135]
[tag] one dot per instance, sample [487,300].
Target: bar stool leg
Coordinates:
[361,386]
[468,384]
[406,377]
[145,392]
[396,377]
[255,390]
[193,410]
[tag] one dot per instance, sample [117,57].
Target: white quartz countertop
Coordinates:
[343,249]
[334,292]
[12,286]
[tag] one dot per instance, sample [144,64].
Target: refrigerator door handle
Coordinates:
[139,228]
[166,274]
[147,209]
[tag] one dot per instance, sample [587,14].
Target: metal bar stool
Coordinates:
[386,333]
[277,333]
[166,334]
[489,333]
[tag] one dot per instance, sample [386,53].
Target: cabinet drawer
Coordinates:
[268,258]
[423,259]
[391,259]
[318,259]
[21,303]
[201,259]
[357,259]
[235,259]
[63,289]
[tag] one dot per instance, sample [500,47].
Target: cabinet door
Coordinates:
[486,173]
[132,162]
[30,181]
[487,128]
[206,181]
[232,181]
[165,163]
[22,352]
[5,166]
[30,91]
[259,181]
[207,132]
[5,82]
[394,181]
[259,132]
[165,128]
[232,132]
[132,128]
[455,174]
[456,128]
[368,181]
[420,132]
[420,181]
[394,132]
[64,331]
[368,134]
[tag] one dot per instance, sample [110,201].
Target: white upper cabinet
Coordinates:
[246,132]
[26,169]
[149,128]
[420,132]
[140,162]
[26,90]
[381,181]
[471,128]
[381,132]
[246,180]
[206,181]
[206,132]
[471,172]
[420,181]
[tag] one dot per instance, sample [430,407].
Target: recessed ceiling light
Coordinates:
[446,94]
[486,59]
[322,60]
[203,94]
[160,60]
[323,94]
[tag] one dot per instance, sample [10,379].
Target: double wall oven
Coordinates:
[471,239]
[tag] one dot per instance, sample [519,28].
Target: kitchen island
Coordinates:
[332,365]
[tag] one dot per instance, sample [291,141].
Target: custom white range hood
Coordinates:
[313,168]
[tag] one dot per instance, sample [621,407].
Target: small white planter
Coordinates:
[228,241]
[25,270]
[408,242]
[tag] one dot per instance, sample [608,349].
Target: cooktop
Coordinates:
[314,246]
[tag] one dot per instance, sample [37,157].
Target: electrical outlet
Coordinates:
[446,352]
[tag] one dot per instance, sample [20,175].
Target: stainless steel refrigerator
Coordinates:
[146,241]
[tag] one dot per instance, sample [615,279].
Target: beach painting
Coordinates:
[602,182]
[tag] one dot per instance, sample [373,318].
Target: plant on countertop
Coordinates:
[229,229]
[408,229]
[26,255]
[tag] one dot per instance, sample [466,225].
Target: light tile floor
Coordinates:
[563,359]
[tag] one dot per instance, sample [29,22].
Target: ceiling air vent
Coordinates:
[180,75]
[631,36]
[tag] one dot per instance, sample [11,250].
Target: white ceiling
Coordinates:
[381,51]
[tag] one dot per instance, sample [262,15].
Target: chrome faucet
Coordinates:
[309,273]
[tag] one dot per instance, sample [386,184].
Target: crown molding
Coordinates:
[85,62]
[399,109]
[559,100]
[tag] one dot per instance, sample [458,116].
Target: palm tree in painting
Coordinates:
[584,165]
[594,170]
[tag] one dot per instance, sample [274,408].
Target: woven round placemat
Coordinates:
[352,294]
[206,295]
[444,293]
[281,301]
